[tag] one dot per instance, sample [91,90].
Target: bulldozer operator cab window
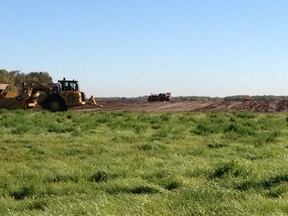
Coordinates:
[70,86]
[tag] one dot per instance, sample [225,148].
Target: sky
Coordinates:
[131,48]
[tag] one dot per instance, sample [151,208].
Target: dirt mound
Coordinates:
[192,106]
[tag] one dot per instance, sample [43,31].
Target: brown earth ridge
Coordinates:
[191,106]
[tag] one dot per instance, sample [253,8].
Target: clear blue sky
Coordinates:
[133,48]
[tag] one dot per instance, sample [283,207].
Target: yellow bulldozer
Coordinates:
[54,97]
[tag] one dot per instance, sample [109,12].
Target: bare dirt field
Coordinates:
[191,106]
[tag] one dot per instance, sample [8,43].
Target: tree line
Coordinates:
[16,78]
[256,98]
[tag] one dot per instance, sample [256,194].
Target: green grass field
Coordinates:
[140,163]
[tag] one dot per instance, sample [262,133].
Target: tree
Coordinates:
[19,79]
[6,77]
[40,77]
[16,78]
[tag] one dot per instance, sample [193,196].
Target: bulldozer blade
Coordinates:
[92,101]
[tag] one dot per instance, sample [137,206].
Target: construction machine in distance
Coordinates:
[54,97]
[160,97]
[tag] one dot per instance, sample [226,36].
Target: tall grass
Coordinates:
[127,163]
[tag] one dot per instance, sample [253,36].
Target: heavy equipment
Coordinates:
[54,97]
[59,96]
[10,100]
[160,97]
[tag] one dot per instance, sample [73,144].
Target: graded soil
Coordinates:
[190,106]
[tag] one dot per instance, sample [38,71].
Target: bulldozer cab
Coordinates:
[68,85]
[70,93]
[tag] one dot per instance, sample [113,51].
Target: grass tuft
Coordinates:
[23,192]
[146,147]
[144,190]
[60,178]
[267,183]
[277,192]
[275,180]
[222,170]
[99,176]
[216,145]
[134,188]
[37,205]
[172,185]
[272,137]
